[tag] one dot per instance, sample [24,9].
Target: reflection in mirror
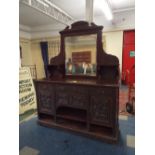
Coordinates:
[80,53]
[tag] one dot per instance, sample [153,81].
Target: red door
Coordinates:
[128,59]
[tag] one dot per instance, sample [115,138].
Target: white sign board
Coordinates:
[27,95]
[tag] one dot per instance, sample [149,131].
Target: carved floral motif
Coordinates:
[101,108]
[45,97]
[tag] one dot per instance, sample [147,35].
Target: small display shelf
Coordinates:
[71,124]
[95,131]
[101,130]
[71,114]
[46,117]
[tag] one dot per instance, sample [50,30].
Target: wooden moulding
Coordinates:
[82,130]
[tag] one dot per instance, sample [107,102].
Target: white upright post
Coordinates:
[89,10]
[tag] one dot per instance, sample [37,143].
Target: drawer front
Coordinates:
[45,97]
[103,105]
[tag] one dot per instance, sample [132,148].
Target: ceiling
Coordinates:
[31,17]
[35,24]
[122,4]
[76,8]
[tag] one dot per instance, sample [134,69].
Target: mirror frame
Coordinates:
[107,65]
[82,28]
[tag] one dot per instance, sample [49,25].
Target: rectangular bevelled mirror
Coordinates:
[80,55]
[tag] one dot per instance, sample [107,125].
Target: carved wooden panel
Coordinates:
[45,95]
[62,97]
[78,97]
[102,106]
[72,96]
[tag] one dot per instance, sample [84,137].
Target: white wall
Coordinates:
[37,59]
[36,54]
[114,44]
[31,55]
[26,52]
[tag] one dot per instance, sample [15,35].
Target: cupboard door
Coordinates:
[45,96]
[103,103]
[62,97]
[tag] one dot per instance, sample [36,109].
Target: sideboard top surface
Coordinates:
[86,82]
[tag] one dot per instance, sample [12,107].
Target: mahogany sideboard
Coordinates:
[85,107]
[83,104]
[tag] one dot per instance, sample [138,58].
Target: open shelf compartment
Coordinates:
[72,114]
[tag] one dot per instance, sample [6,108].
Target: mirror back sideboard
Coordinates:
[81,103]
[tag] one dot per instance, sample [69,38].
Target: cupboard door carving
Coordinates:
[45,97]
[102,105]
[78,97]
[62,97]
[100,109]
